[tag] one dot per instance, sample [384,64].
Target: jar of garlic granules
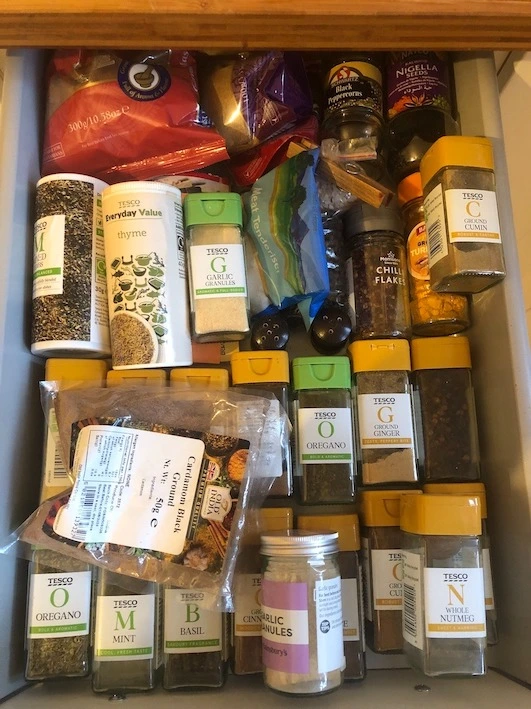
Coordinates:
[302,619]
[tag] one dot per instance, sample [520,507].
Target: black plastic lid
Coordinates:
[269,332]
[331,328]
[363,218]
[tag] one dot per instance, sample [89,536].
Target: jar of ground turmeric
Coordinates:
[431,313]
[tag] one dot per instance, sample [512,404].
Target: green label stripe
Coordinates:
[217,291]
[192,643]
[125,651]
[47,272]
[327,456]
[45,629]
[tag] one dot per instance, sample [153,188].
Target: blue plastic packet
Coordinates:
[283,219]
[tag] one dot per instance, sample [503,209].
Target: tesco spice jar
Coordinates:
[383,396]
[302,620]
[216,263]
[267,371]
[477,490]
[146,276]
[448,439]
[377,272]
[382,568]
[324,445]
[464,240]
[443,623]
[200,377]
[431,313]
[246,657]
[348,528]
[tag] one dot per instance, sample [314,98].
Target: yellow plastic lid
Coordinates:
[140,377]
[347,526]
[381,508]
[380,355]
[263,366]
[201,377]
[451,352]
[409,188]
[441,515]
[475,489]
[456,151]
[76,370]
[276,519]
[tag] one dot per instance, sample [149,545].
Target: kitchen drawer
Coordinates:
[503,388]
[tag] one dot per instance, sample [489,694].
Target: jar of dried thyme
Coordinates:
[464,237]
[383,398]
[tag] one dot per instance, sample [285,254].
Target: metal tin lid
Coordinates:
[363,218]
[298,542]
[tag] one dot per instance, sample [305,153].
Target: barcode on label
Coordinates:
[435,240]
[81,525]
[59,470]
[410,609]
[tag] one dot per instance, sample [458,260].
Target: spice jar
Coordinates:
[382,392]
[377,272]
[347,526]
[302,620]
[464,241]
[200,377]
[136,377]
[324,445]
[269,372]
[448,439]
[195,652]
[218,284]
[477,490]
[444,598]
[246,655]
[125,661]
[382,570]
[431,313]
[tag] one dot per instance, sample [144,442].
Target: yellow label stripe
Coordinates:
[455,627]
[388,602]
[384,441]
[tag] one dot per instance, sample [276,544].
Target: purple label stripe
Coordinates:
[285,596]
[286,658]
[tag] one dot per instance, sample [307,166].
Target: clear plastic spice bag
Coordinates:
[162,483]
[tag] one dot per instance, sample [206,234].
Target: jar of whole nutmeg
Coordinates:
[431,313]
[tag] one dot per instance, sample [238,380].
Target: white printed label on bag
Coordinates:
[387,579]
[472,216]
[329,622]
[218,271]
[325,435]
[48,255]
[349,600]
[413,610]
[455,603]
[435,226]
[125,627]
[135,488]
[59,604]
[189,627]
[385,420]
[55,473]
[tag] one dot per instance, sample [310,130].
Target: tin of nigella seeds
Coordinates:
[70,314]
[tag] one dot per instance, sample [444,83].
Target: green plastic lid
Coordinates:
[321,373]
[213,208]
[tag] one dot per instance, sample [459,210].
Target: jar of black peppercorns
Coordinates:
[377,272]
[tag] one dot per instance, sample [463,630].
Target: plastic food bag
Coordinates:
[252,98]
[165,484]
[284,221]
[120,116]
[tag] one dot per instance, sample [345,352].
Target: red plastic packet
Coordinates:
[119,116]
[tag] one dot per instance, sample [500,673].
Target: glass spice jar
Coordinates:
[246,656]
[382,570]
[477,490]
[302,620]
[218,283]
[348,528]
[377,272]
[431,313]
[464,241]
[324,445]
[446,412]
[269,372]
[382,394]
[443,620]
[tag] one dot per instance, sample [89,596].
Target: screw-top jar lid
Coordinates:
[451,352]
[475,489]
[363,218]
[298,542]
[441,515]
[381,508]
[456,151]
[138,377]
[60,369]
[213,208]
[409,188]
[380,356]
[321,373]
[200,377]
[276,519]
[267,366]
[347,526]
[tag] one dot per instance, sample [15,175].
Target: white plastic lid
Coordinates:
[299,542]
[142,186]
